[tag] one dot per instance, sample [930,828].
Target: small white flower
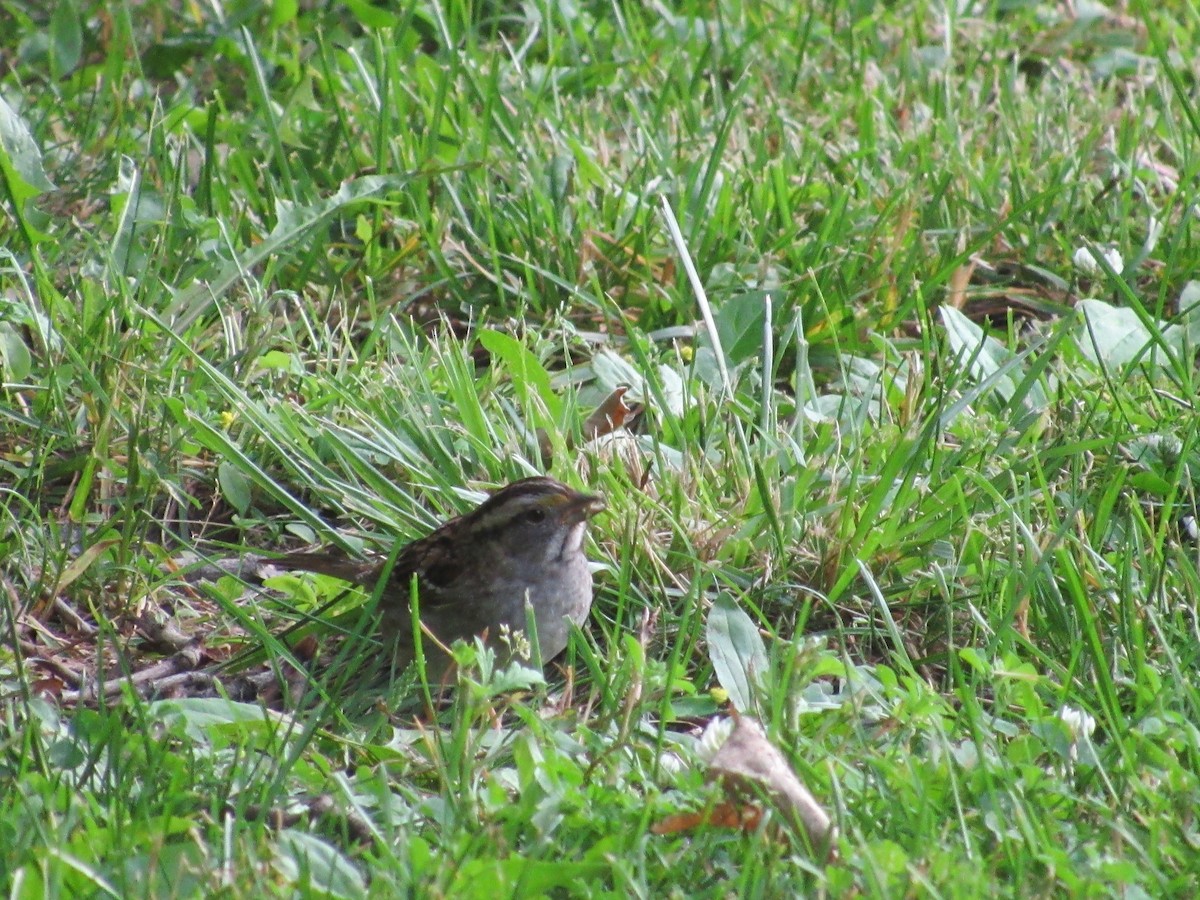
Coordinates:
[1079,723]
[1085,260]
[1079,727]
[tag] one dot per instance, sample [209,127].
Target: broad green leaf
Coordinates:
[319,865]
[991,364]
[20,158]
[284,12]
[983,354]
[201,715]
[66,34]
[372,15]
[235,487]
[738,654]
[281,361]
[526,370]
[740,323]
[1112,336]
[15,360]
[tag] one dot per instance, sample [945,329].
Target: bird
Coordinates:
[477,574]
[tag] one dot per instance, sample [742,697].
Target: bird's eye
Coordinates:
[535,516]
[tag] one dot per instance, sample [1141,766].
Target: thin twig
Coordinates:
[186,660]
[76,621]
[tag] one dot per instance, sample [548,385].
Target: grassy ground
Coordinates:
[912,485]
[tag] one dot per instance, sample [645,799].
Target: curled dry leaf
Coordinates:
[606,420]
[610,415]
[750,767]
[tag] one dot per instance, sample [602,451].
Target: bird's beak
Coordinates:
[582,507]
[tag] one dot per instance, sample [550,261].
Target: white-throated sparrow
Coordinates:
[475,574]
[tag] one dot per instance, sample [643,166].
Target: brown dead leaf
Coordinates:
[609,415]
[746,816]
[749,761]
[753,770]
[49,687]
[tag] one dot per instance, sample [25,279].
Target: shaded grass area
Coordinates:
[318,275]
